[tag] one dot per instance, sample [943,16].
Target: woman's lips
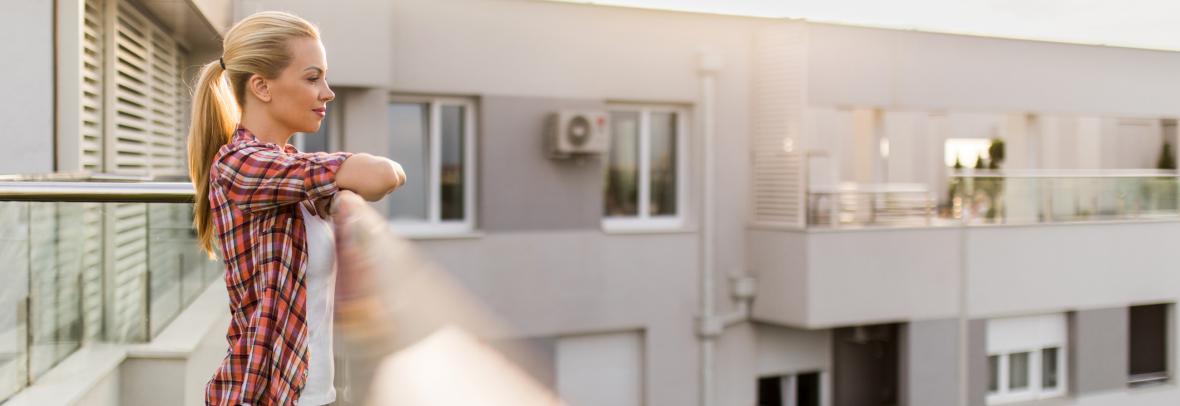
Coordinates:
[320,112]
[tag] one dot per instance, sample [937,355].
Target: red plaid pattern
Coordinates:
[254,188]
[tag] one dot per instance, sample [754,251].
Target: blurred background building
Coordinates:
[669,208]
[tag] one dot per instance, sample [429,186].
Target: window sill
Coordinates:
[464,235]
[625,225]
[1149,381]
[424,230]
[419,231]
[1047,399]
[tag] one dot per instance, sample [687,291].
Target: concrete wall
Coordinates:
[931,359]
[895,275]
[909,69]
[356,36]
[1054,268]
[977,368]
[543,261]
[789,351]
[1098,345]
[908,274]
[29,123]
[778,259]
[513,164]
[808,279]
[572,282]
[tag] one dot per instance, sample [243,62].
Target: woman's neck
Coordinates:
[265,128]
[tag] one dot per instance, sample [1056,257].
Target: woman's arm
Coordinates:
[256,178]
[372,177]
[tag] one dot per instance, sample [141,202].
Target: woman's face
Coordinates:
[300,95]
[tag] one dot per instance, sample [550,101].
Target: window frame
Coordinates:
[1152,378]
[434,225]
[643,221]
[1034,343]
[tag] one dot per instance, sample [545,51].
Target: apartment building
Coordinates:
[777,219]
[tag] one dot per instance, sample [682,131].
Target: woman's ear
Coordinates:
[259,87]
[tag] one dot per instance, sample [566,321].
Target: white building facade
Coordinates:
[742,151]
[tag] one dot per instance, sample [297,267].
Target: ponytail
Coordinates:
[214,119]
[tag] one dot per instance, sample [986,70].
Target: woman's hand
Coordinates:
[372,177]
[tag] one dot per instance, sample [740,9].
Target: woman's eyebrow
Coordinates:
[316,68]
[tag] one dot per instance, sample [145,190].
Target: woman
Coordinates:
[267,204]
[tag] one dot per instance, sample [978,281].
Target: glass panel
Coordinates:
[125,231]
[770,391]
[1049,368]
[451,182]
[621,196]
[167,241]
[178,268]
[14,296]
[1056,199]
[1018,371]
[53,292]
[92,274]
[663,165]
[410,147]
[993,373]
[807,389]
[54,301]
[1148,341]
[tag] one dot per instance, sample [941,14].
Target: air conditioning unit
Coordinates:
[572,133]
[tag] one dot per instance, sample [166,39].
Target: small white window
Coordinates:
[1026,358]
[802,389]
[433,139]
[645,184]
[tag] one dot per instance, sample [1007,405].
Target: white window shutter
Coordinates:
[129,91]
[142,137]
[92,49]
[92,146]
[780,71]
[164,134]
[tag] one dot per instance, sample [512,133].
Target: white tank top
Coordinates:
[320,279]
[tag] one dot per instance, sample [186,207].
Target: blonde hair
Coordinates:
[257,45]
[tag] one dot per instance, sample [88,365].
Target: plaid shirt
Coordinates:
[254,188]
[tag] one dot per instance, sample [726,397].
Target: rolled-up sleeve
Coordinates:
[257,178]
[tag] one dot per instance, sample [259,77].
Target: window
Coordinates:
[1148,344]
[433,139]
[645,185]
[789,390]
[1025,358]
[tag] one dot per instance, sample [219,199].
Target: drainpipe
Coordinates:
[710,326]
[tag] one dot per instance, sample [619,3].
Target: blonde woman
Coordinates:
[267,203]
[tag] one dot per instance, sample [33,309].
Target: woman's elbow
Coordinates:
[371,177]
[392,176]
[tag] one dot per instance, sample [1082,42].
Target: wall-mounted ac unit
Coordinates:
[571,133]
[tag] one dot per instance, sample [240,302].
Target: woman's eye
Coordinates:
[312,79]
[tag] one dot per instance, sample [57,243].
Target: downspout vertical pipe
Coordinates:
[710,63]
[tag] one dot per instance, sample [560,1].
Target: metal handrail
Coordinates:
[97,192]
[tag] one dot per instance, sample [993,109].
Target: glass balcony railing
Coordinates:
[1008,197]
[91,262]
[862,205]
[1063,196]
